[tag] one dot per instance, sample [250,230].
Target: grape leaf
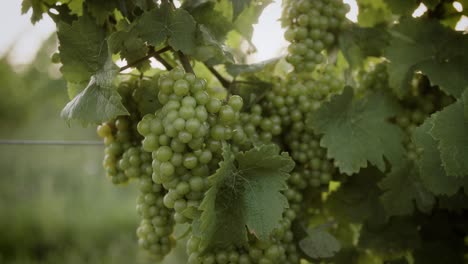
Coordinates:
[431,171]
[431,4]
[83,49]
[244,194]
[427,46]
[206,14]
[451,130]
[402,7]
[99,101]
[403,188]
[244,23]
[265,173]
[465,101]
[238,6]
[39,7]
[396,236]
[358,43]
[237,69]
[319,244]
[357,198]
[373,12]
[210,50]
[220,225]
[159,24]
[356,131]
[101,10]
[130,47]
[456,203]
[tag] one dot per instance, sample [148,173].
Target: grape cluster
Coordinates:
[156,226]
[123,153]
[313,167]
[312,27]
[185,137]
[375,79]
[120,142]
[417,106]
[279,249]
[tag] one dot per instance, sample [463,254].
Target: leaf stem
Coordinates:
[226,84]
[185,62]
[140,60]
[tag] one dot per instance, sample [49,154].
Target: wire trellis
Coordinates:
[26,142]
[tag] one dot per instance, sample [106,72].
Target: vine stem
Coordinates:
[140,60]
[185,62]
[226,84]
[164,62]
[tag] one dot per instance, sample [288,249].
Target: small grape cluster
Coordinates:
[156,226]
[120,142]
[312,27]
[424,100]
[375,79]
[123,153]
[185,137]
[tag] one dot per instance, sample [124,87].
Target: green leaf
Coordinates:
[210,50]
[238,6]
[373,12]
[431,171]
[356,131]
[319,244]
[358,43]
[249,17]
[427,46]
[358,198]
[465,101]
[98,102]
[83,49]
[456,203]
[159,24]
[237,69]
[130,47]
[246,193]
[402,7]
[431,4]
[265,173]
[451,130]
[205,14]
[38,7]
[222,220]
[403,189]
[394,237]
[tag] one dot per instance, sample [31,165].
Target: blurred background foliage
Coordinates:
[56,206]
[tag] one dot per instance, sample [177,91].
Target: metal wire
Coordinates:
[51,142]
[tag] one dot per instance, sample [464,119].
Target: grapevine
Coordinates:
[350,148]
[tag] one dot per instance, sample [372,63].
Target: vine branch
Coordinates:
[185,62]
[164,62]
[226,84]
[140,60]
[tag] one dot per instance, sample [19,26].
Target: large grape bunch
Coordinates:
[123,155]
[312,28]
[185,137]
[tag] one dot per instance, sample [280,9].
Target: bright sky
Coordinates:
[20,36]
